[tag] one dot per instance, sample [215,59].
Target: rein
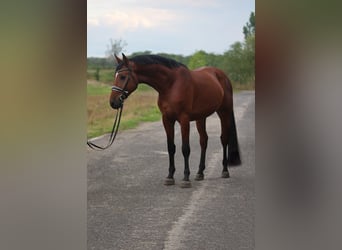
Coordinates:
[112,134]
[122,97]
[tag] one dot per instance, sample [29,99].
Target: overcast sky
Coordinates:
[170,26]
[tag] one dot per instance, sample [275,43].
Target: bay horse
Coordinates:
[184,96]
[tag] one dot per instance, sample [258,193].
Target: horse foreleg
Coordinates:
[171,148]
[185,129]
[200,124]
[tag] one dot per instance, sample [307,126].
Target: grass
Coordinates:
[94,89]
[105,75]
[239,87]
[140,107]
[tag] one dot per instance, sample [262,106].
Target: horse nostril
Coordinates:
[115,104]
[112,104]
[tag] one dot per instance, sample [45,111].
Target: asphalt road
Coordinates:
[130,208]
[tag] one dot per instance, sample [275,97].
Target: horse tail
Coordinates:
[233,145]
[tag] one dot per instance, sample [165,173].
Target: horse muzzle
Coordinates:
[117,103]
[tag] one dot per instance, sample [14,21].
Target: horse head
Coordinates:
[125,82]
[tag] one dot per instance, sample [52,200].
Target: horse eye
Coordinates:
[122,77]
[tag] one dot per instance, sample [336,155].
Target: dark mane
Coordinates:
[154,59]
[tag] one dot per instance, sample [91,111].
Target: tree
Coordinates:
[249,28]
[97,74]
[249,47]
[239,60]
[139,53]
[235,63]
[198,59]
[115,48]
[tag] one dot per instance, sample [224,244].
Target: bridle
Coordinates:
[124,94]
[123,91]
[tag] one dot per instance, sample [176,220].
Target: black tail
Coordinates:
[233,145]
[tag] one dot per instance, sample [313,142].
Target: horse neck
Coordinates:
[157,76]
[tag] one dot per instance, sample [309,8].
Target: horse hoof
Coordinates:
[185,184]
[169,182]
[199,177]
[225,174]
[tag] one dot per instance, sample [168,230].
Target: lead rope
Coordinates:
[112,135]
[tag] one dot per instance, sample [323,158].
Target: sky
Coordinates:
[169,26]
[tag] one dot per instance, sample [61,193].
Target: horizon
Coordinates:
[157,53]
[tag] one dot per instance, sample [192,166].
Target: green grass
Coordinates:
[140,107]
[104,89]
[146,115]
[98,89]
[106,75]
[246,86]
[144,87]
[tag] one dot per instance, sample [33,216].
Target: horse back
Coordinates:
[212,77]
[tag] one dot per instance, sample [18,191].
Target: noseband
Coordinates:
[123,91]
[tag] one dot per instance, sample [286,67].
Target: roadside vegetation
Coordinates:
[140,107]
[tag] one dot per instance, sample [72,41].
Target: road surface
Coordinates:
[130,208]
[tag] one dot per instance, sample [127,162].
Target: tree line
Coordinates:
[238,61]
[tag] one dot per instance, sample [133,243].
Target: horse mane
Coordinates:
[154,59]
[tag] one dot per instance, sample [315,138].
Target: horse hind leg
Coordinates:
[185,129]
[233,145]
[224,141]
[201,128]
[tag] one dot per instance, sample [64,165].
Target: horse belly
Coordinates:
[199,113]
[206,103]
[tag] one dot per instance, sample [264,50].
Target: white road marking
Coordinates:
[161,152]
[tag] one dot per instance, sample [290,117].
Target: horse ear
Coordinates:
[117,59]
[125,59]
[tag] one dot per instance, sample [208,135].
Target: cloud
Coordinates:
[179,4]
[178,26]
[134,19]
[197,3]
[93,22]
